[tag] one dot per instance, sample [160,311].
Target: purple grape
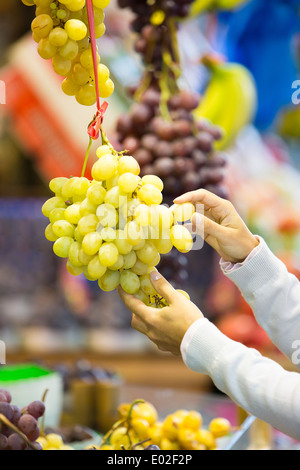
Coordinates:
[6,393]
[3,442]
[15,442]
[16,414]
[36,409]
[2,397]
[28,425]
[6,410]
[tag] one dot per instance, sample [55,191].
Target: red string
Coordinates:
[94,127]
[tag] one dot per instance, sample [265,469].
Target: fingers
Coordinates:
[206,227]
[138,324]
[134,304]
[163,287]
[219,207]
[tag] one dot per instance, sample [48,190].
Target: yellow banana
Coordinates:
[202,6]
[229,4]
[229,101]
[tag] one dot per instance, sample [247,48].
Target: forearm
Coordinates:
[258,384]
[272,293]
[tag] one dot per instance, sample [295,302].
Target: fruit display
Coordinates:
[139,428]
[19,428]
[62,31]
[114,228]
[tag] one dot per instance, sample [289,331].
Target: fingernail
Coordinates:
[155,275]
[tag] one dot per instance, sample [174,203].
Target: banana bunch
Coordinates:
[230,99]
[202,6]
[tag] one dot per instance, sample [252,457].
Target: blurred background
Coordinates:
[52,318]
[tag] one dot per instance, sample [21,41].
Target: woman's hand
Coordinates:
[222,226]
[165,326]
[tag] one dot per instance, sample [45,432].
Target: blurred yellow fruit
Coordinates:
[192,420]
[145,411]
[170,426]
[155,433]
[54,440]
[123,410]
[120,438]
[106,447]
[219,427]
[187,438]
[141,428]
[167,444]
[205,437]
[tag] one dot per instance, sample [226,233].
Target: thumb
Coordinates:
[162,286]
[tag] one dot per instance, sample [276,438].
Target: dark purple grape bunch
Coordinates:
[19,429]
[179,150]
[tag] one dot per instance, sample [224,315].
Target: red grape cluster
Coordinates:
[19,428]
[180,150]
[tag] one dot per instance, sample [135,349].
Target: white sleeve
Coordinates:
[274,296]
[258,384]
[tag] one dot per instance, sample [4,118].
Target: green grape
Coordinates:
[101,3]
[76,5]
[95,268]
[88,224]
[49,234]
[134,233]
[104,168]
[61,246]
[153,179]
[103,73]
[72,213]
[108,234]
[63,228]
[62,14]
[129,281]
[69,50]
[87,207]
[46,50]
[148,253]
[73,270]
[96,193]
[122,243]
[163,246]
[106,88]
[129,260]
[67,188]
[142,215]
[57,214]
[58,37]
[80,75]
[139,267]
[128,182]
[118,264]
[69,87]
[56,184]
[42,25]
[128,164]
[86,95]
[91,243]
[74,253]
[109,281]
[99,30]
[76,29]
[103,150]
[51,204]
[150,194]
[60,65]
[86,58]
[84,258]
[42,3]
[113,196]
[146,285]
[80,186]
[107,215]
[183,212]
[108,254]
[181,238]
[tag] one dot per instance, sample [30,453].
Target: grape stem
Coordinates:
[86,157]
[4,420]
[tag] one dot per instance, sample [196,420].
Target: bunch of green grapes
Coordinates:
[114,228]
[61,31]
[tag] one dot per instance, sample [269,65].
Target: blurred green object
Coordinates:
[30,382]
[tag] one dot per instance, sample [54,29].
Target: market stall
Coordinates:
[109,111]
